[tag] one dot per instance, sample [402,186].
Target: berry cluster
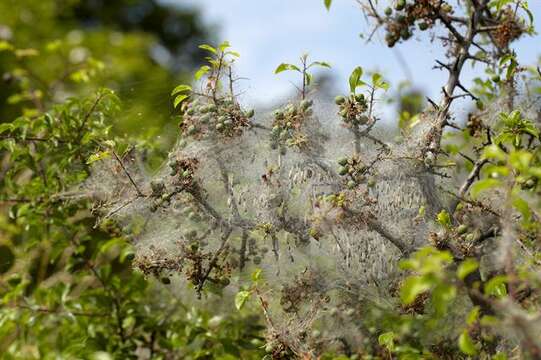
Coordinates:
[287,123]
[354,170]
[184,168]
[159,196]
[509,29]
[224,117]
[401,21]
[294,295]
[196,261]
[352,109]
[248,251]
[158,264]
[475,125]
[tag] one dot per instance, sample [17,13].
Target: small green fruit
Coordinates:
[363,120]
[388,11]
[343,161]
[446,8]
[400,5]
[343,170]
[462,229]
[423,26]
[205,118]
[339,100]
[157,186]
[351,184]
[305,104]
[405,33]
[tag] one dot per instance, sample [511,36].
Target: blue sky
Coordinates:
[268,32]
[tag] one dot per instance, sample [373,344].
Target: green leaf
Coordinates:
[412,287]
[208,48]
[377,82]
[109,244]
[499,356]
[496,286]
[520,160]
[284,67]
[522,206]
[442,296]
[328,4]
[387,340]
[224,45]
[5,127]
[5,46]
[499,4]
[308,78]
[202,71]
[466,345]
[466,267]
[444,219]
[241,298]
[354,78]
[233,53]
[180,99]
[494,152]
[473,315]
[321,63]
[98,156]
[256,275]
[483,185]
[181,88]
